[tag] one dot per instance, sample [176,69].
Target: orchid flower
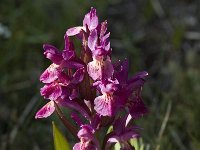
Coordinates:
[98,92]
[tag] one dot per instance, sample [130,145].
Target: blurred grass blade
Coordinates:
[60,142]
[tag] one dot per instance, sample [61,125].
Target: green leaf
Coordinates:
[110,129]
[60,142]
[137,143]
[134,143]
[117,146]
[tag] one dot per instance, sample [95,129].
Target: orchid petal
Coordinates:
[69,46]
[77,146]
[113,139]
[94,69]
[50,74]
[46,110]
[86,132]
[103,28]
[91,19]
[51,91]
[74,63]
[74,31]
[92,40]
[108,69]
[121,71]
[137,108]
[139,76]
[63,78]
[52,53]
[104,105]
[78,76]
[67,55]
[84,146]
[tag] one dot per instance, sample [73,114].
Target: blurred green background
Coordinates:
[160,36]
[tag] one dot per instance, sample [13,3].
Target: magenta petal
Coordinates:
[74,31]
[121,71]
[74,94]
[77,146]
[139,76]
[84,146]
[69,46]
[73,64]
[105,37]
[105,42]
[137,81]
[94,19]
[137,108]
[86,20]
[78,76]
[94,69]
[52,53]
[50,74]
[67,55]
[63,78]
[108,86]
[46,110]
[107,47]
[91,19]
[104,105]
[108,69]
[51,91]
[86,132]
[103,28]
[113,139]
[92,39]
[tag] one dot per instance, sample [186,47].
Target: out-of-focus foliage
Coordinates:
[160,36]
